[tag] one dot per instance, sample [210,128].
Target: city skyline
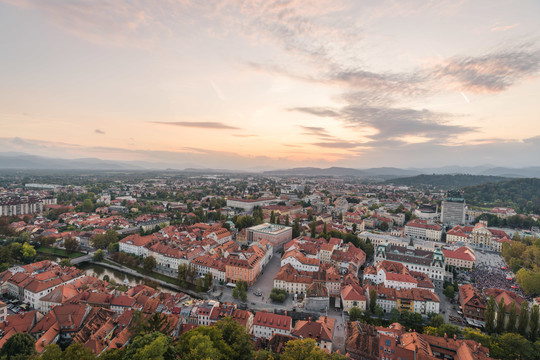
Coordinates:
[272,84]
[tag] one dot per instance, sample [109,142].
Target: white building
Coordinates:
[265,325]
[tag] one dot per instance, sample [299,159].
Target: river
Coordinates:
[100,271]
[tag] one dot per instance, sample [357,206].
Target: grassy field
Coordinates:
[58,252]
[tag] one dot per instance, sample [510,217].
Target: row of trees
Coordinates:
[240,291]
[523,256]
[497,321]
[226,340]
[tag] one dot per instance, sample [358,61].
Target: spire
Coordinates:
[411,242]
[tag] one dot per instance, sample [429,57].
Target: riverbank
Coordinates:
[159,278]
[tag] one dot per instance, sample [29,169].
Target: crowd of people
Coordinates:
[493,273]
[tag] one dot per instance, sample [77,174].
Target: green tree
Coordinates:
[372,300]
[278,295]
[19,346]
[449,292]
[99,255]
[186,274]
[150,346]
[65,262]
[448,329]
[305,349]
[52,352]
[437,320]
[203,342]
[489,315]
[199,285]
[149,264]
[243,294]
[71,245]
[272,217]
[87,206]
[533,323]
[313,228]
[296,228]
[478,336]
[237,338]
[28,252]
[383,226]
[512,346]
[143,324]
[355,314]
[512,318]
[523,320]
[501,316]
[77,351]
[236,293]
[208,281]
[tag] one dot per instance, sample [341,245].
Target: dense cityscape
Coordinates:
[128,265]
[269,180]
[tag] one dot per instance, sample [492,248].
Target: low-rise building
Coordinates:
[321,330]
[473,303]
[265,325]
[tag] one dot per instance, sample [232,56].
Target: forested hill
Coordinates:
[446,181]
[523,195]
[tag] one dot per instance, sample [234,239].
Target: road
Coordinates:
[265,283]
[83,258]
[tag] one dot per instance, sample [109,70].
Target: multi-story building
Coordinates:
[321,330]
[473,303]
[453,209]
[265,324]
[352,296]
[207,264]
[422,230]
[431,263]
[460,258]
[416,300]
[276,234]
[479,236]
[3,311]
[15,205]
[243,268]
[135,244]
[299,261]
[248,205]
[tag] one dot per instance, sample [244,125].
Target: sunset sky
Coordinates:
[273,84]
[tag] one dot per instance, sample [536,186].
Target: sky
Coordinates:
[267,84]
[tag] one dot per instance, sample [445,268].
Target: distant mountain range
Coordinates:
[22,161]
[446,181]
[342,171]
[19,161]
[391,172]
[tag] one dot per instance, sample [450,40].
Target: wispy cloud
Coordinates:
[393,123]
[338,144]
[499,27]
[493,72]
[101,132]
[316,130]
[198,124]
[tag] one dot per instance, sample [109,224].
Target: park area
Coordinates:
[58,252]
